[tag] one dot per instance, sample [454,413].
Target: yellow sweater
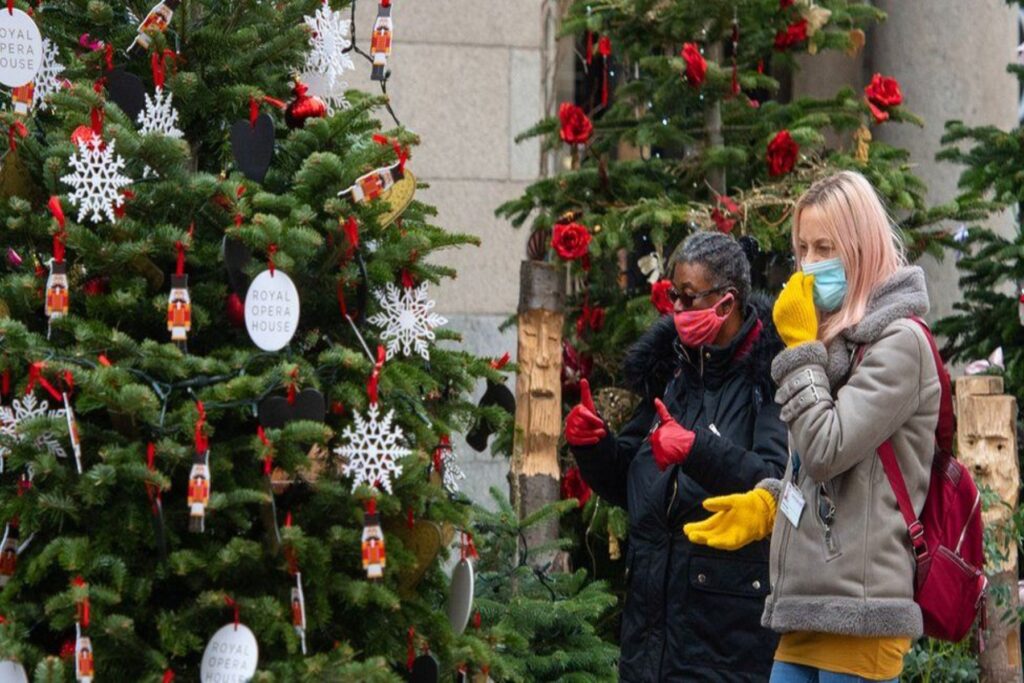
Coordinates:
[876,659]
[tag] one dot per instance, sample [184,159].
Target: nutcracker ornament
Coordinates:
[57,300]
[22,98]
[374,556]
[84,668]
[9,552]
[380,43]
[76,440]
[157,21]
[179,311]
[299,612]
[199,491]
[372,185]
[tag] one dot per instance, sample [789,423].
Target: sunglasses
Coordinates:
[687,300]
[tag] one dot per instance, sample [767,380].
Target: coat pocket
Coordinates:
[723,611]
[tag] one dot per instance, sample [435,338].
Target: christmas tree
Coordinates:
[176,461]
[686,122]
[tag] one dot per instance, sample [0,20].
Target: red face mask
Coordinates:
[700,327]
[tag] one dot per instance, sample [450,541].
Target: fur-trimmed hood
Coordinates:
[652,361]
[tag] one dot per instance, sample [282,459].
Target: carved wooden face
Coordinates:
[540,353]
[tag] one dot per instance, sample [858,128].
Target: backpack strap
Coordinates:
[943,448]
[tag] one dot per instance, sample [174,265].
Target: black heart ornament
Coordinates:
[237,257]
[253,146]
[275,411]
[126,91]
[496,395]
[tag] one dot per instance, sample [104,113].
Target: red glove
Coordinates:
[671,441]
[583,427]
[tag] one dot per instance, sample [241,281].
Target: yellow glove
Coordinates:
[796,319]
[739,519]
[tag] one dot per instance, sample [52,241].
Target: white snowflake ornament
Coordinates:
[407,319]
[97,180]
[48,80]
[159,116]
[328,40]
[28,408]
[373,449]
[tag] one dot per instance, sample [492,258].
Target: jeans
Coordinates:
[783,672]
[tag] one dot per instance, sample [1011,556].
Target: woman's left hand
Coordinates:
[796,319]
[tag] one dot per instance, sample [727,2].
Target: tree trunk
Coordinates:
[535,474]
[987,444]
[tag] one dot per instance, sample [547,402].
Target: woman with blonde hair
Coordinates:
[857,371]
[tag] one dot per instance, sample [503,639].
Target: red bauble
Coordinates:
[235,310]
[303,107]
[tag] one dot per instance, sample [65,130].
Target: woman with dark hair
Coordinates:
[706,426]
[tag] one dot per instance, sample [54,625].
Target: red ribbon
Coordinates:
[476,620]
[83,604]
[604,46]
[202,443]
[35,375]
[590,47]
[735,50]
[108,56]
[341,299]
[499,363]
[468,548]
[268,451]
[168,677]
[371,386]
[179,268]
[69,382]
[152,490]
[254,107]
[158,63]
[16,130]
[400,152]
[371,506]
[352,233]
[5,382]
[56,210]
[271,250]
[292,388]
[104,361]
[407,280]
[10,7]
[233,605]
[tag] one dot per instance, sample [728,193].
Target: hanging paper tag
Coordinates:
[460,600]
[792,504]
[21,48]
[199,492]
[12,672]
[272,310]
[76,442]
[231,655]
[299,611]
[84,667]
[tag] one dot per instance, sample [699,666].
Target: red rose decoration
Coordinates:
[696,66]
[592,318]
[782,151]
[571,241]
[881,93]
[659,297]
[794,34]
[573,486]
[576,126]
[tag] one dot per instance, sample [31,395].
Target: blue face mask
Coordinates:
[829,283]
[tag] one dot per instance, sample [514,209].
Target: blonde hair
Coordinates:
[853,217]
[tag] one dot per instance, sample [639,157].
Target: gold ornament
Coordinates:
[614,551]
[424,540]
[398,197]
[816,17]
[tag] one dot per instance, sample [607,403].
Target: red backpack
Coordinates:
[947,536]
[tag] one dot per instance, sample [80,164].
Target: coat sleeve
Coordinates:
[721,467]
[885,390]
[604,465]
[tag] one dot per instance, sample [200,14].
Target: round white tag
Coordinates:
[460,599]
[12,672]
[21,48]
[230,656]
[272,310]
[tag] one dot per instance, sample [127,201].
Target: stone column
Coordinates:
[950,58]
